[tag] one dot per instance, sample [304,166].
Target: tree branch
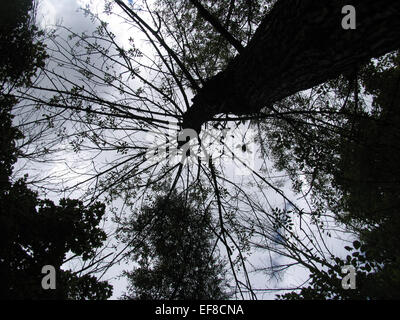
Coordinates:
[217,25]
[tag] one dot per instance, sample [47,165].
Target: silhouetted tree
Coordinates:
[34,232]
[21,52]
[173,242]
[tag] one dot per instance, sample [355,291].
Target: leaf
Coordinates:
[356,244]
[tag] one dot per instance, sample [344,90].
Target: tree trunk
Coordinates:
[299,44]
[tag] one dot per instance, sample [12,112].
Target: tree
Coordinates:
[35,232]
[20,53]
[173,242]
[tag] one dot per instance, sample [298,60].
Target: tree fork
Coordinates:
[299,44]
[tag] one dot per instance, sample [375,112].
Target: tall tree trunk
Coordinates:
[299,44]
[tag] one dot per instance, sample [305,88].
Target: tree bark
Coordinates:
[299,44]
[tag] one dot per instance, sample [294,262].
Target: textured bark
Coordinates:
[299,44]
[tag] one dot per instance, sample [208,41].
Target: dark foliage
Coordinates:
[176,255]
[35,232]
[367,175]
[20,54]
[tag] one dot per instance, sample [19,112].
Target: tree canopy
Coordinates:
[34,232]
[176,256]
